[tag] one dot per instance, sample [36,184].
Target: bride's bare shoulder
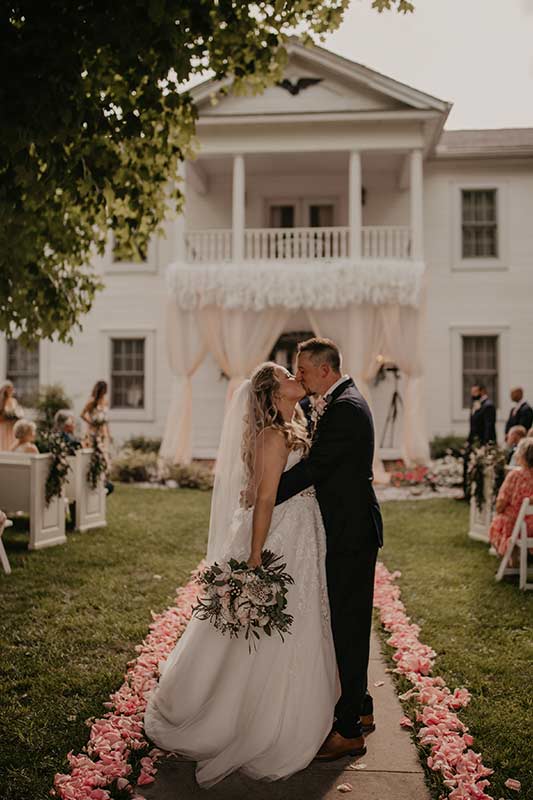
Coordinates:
[272,439]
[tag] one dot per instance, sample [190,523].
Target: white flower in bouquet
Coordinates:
[237,599]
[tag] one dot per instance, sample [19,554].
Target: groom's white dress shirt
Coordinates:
[337,383]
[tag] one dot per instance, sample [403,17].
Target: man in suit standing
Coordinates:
[521,413]
[339,465]
[482,427]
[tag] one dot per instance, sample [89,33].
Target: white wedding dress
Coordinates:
[266,712]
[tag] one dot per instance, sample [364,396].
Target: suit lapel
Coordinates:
[339,390]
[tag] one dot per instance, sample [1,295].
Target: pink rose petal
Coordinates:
[513,784]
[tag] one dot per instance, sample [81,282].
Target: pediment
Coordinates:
[317,81]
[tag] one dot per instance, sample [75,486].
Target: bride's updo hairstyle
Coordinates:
[263,413]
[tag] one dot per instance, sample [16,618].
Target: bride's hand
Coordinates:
[254,561]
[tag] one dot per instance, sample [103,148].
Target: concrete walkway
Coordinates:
[392,769]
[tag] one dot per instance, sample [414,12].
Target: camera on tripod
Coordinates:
[396,401]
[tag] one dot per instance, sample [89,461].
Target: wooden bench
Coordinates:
[90,503]
[22,488]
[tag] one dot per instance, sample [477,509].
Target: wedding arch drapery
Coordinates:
[186,350]
[360,337]
[240,338]
[237,312]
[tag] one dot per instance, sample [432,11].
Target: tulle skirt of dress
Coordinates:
[265,713]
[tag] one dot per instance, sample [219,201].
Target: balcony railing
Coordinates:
[298,244]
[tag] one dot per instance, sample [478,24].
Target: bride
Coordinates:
[266,712]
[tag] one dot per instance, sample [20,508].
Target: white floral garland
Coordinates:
[257,285]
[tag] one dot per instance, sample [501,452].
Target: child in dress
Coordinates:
[516,487]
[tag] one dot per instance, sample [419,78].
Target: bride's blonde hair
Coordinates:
[263,413]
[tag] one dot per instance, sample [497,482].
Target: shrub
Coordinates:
[191,476]
[441,446]
[50,400]
[143,444]
[134,466]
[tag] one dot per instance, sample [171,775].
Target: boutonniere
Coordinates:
[319,405]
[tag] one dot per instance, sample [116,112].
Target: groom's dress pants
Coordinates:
[351,591]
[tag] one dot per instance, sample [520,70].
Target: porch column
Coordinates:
[238,208]
[355,214]
[180,250]
[416,200]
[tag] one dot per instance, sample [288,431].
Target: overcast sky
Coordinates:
[477,54]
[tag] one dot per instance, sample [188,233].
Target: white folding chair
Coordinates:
[520,539]
[4,523]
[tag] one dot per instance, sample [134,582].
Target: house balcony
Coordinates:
[298,244]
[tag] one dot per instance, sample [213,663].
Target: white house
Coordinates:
[337,203]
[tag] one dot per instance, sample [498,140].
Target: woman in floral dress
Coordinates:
[10,412]
[516,487]
[94,415]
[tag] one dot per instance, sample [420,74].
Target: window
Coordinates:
[480,365]
[23,370]
[127,373]
[321,216]
[282,216]
[479,215]
[285,350]
[122,253]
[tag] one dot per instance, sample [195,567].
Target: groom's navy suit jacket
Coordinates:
[339,465]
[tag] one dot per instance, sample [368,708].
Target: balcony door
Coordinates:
[285,214]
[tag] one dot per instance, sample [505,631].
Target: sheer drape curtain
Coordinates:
[358,332]
[240,339]
[185,351]
[402,330]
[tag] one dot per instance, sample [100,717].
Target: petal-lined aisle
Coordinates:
[118,762]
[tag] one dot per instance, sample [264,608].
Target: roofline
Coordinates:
[378,80]
[342,66]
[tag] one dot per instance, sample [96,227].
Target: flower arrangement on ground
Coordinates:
[238,600]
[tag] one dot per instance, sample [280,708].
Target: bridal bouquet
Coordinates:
[239,600]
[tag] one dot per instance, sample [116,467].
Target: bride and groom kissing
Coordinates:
[270,712]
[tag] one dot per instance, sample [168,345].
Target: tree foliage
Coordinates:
[94,127]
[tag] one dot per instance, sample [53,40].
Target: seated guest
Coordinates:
[521,413]
[24,432]
[65,424]
[514,436]
[517,485]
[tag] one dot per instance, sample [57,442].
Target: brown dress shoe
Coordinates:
[367,723]
[336,746]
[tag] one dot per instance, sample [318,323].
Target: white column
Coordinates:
[179,224]
[416,201]
[238,208]
[355,211]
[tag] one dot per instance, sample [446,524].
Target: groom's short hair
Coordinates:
[322,351]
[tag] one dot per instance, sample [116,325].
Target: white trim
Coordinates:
[460,264]
[146,414]
[151,265]
[345,68]
[458,413]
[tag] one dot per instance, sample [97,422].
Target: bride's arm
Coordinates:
[270,460]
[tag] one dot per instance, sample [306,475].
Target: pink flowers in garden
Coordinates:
[438,727]
[106,766]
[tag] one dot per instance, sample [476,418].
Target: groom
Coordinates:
[339,465]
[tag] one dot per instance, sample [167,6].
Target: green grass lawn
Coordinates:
[72,615]
[481,630]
